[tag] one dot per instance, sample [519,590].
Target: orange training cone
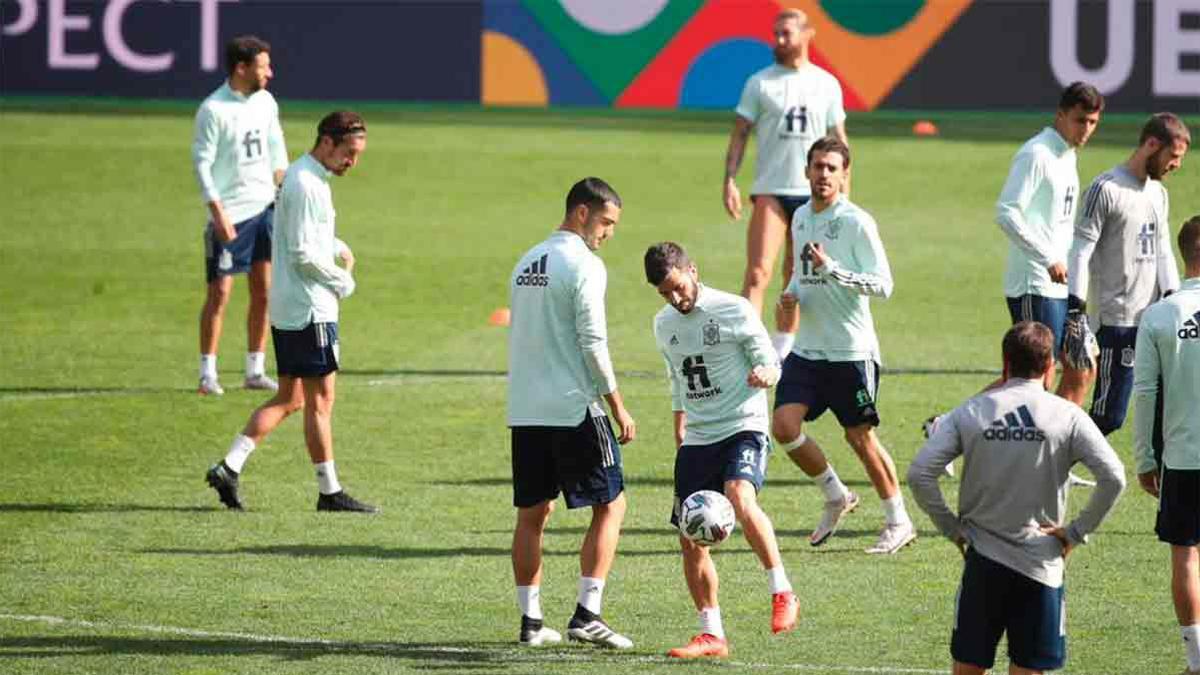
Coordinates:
[925,128]
[500,317]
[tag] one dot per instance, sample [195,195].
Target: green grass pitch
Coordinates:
[115,557]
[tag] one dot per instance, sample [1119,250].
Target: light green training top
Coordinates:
[236,150]
[1168,348]
[306,282]
[835,313]
[709,353]
[790,109]
[1036,211]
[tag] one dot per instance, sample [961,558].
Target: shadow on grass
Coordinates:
[389,553]
[99,508]
[458,655]
[634,481]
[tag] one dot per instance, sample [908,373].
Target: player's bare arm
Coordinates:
[733,161]
[787,309]
[839,130]
[628,428]
[679,424]
[221,226]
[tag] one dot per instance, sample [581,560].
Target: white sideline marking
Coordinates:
[521,654]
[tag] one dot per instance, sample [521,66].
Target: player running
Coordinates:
[720,363]
[1122,253]
[834,363]
[789,105]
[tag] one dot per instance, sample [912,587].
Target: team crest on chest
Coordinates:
[711,334]
[834,228]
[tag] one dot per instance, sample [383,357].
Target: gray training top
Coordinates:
[1018,443]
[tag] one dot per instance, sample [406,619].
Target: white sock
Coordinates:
[1191,641]
[710,622]
[208,366]
[256,363]
[782,342]
[591,592]
[778,581]
[835,490]
[239,452]
[529,598]
[327,481]
[894,511]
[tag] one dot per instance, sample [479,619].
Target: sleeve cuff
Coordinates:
[1076,537]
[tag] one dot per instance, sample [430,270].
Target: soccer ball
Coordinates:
[706,518]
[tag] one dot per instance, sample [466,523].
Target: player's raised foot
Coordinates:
[225,481]
[210,387]
[1073,479]
[534,634]
[340,501]
[893,538]
[587,627]
[831,517]
[261,381]
[701,646]
[785,609]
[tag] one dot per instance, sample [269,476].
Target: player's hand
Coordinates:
[817,251]
[224,232]
[1061,535]
[1058,272]
[763,377]
[347,257]
[787,310]
[733,199]
[1149,482]
[626,425]
[962,544]
[1080,348]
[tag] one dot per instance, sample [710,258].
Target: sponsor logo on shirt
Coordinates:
[1191,328]
[535,273]
[1017,425]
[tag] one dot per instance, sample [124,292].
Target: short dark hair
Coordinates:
[663,257]
[1166,128]
[1028,349]
[244,49]
[830,144]
[1081,94]
[1189,241]
[593,192]
[339,124]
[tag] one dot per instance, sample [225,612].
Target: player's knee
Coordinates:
[743,501]
[784,430]
[612,510]
[757,276]
[217,297]
[861,439]
[535,516]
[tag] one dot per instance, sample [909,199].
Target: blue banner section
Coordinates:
[352,49]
